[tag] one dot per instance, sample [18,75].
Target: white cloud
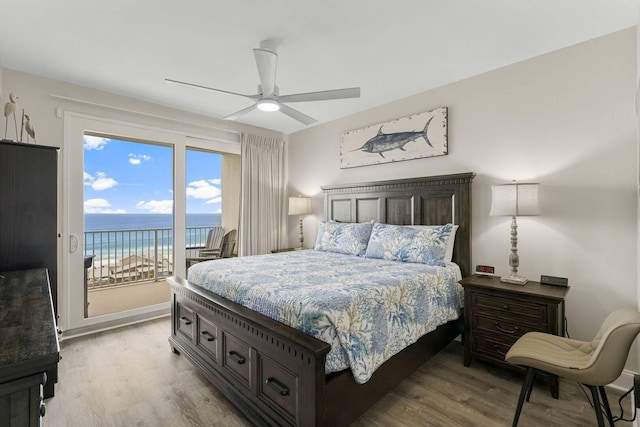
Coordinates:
[215,200]
[136,159]
[218,211]
[205,189]
[94,142]
[88,179]
[102,182]
[156,206]
[100,206]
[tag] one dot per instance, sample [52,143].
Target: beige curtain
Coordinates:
[262,194]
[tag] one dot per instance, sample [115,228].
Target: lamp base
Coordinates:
[514,279]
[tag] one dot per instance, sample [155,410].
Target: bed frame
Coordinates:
[275,374]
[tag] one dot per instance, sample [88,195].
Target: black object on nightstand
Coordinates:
[497,314]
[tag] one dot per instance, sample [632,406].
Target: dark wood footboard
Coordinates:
[273,373]
[276,374]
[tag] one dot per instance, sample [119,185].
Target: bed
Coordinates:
[278,374]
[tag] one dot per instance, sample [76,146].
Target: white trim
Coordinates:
[80,332]
[624,381]
[141,113]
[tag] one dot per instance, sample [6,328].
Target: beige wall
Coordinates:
[566,120]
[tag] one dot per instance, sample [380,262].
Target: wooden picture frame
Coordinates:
[413,137]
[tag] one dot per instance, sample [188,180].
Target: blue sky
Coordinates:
[131,177]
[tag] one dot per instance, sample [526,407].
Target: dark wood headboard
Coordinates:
[434,200]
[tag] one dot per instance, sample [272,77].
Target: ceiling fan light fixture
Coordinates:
[268,105]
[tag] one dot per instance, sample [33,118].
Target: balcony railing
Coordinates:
[129,256]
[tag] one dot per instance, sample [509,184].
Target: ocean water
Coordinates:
[114,237]
[102,222]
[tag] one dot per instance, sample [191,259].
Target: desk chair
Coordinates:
[594,364]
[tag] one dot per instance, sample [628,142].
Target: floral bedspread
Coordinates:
[367,309]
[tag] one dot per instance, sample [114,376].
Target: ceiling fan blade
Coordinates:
[297,115]
[257,96]
[267,61]
[242,112]
[325,95]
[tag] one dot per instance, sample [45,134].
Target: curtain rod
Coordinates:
[127,110]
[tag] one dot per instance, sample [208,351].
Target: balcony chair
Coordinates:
[228,244]
[214,242]
[594,364]
[226,250]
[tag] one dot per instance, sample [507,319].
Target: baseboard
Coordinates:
[92,329]
[624,381]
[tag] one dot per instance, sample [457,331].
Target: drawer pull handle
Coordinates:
[500,352]
[277,386]
[208,335]
[507,331]
[505,307]
[237,358]
[186,320]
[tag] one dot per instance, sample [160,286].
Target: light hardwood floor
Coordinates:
[130,377]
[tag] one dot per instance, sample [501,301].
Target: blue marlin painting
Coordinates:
[417,136]
[383,142]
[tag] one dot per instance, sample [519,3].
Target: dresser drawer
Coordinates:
[237,358]
[207,334]
[512,308]
[278,387]
[185,320]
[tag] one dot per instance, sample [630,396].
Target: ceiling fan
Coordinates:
[268,97]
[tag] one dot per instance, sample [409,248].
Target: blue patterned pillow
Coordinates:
[406,244]
[344,238]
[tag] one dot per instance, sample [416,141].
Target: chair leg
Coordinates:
[533,380]
[605,402]
[596,404]
[526,387]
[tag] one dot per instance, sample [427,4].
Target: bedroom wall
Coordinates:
[564,119]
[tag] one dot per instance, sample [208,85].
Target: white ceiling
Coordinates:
[391,49]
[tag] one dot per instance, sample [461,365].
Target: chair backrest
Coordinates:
[612,344]
[214,238]
[228,244]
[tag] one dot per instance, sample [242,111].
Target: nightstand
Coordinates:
[496,314]
[275,251]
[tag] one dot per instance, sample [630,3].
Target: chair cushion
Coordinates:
[564,357]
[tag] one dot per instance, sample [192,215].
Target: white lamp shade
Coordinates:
[299,205]
[515,200]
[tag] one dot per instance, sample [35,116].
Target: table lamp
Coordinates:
[514,200]
[300,206]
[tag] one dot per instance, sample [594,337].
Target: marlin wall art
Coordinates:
[413,137]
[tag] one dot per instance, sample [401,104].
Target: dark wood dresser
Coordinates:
[29,349]
[497,314]
[28,214]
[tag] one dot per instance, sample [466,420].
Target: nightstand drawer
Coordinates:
[512,308]
[496,325]
[494,349]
